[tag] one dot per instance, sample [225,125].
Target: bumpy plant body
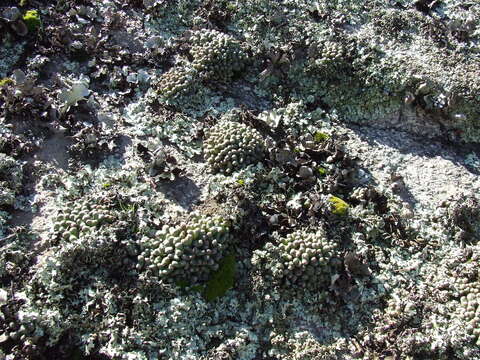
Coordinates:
[303,259]
[470,307]
[216,54]
[177,81]
[231,145]
[189,252]
[328,54]
[80,219]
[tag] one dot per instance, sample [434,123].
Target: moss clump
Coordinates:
[222,280]
[32,20]
[320,137]
[322,171]
[338,206]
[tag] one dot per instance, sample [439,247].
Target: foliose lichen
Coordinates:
[11,175]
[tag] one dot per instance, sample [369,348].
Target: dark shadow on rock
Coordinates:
[182,191]
[122,142]
[21,218]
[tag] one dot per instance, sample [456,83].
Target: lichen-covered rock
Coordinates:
[11,176]
[189,252]
[79,219]
[216,54]
[302,259]
[177,81]
[88,265]
[231,145]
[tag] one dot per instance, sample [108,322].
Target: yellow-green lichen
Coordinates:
[322,171]
[32,20]
[5,81]
[338,206]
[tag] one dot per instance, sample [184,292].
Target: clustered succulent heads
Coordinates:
[470,306]
[79,219]
[231,145]
[176,81]
[327,54]
[189,252]
[216,54]
[304,259]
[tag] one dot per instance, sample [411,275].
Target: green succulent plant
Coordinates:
[301,259]
[177,81]
[216,54]
[338,206]
[189,252]
[231,145]
[80,219]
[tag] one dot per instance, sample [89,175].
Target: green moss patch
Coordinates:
[222,280]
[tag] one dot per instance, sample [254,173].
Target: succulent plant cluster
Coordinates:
[11,176]
[80,219]
[470,307]
[176,81]
[303,259]
[329,53]
[216,54]
[231,145]
[189,252]
[15,330]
